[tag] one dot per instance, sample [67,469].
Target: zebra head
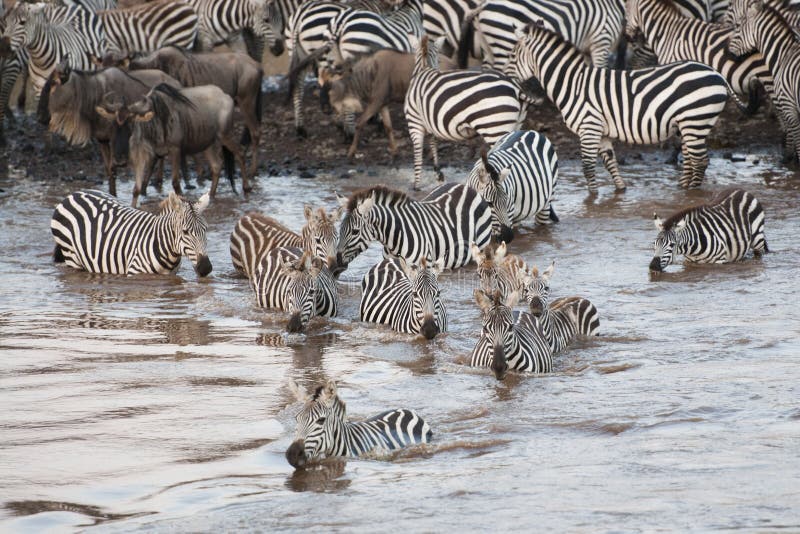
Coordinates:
[189,229]
[497,326]
[742,39]
[268,24]
[14,34]
[669,237]
[492,274]
[522,63]
[426,301]
[302,274]
[490,185]
[320,425]
[633,24]
[320,235]
[356,230]
[536,289]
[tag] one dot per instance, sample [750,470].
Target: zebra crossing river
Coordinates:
[160,403]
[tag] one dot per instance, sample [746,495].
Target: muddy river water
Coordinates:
[160,403]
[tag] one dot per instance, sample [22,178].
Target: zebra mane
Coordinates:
[676,217]
[386,194]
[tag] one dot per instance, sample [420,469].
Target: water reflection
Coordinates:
[323,477]
[23,508]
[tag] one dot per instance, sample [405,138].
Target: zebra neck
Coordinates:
[546,322]
[565,70]
[656,16]
[363,437]
[388,225]
[166,238]
[774,39]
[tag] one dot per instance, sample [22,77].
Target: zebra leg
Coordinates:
[695,160]
[547,214]
[297,102]
[610,163]
[590,145]
[435,156]
[418,140]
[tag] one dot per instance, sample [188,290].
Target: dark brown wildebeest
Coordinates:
[237,74]
[70,99]
[169,122]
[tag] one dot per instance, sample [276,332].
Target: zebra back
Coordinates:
[150,26]
[253,236]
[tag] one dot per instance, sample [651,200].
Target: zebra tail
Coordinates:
[744,108]
[553,216]
[230,166]
[58,255]
[467,36]
[43,108]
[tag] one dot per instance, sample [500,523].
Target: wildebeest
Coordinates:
[70,98]
[170,122]
[237,74]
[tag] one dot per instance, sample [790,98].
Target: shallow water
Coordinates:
[160,403]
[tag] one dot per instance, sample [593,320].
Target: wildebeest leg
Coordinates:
[175,159]
[610,163]
[236,150]
[108,165]
[215,164]
[142,168]
[386,118]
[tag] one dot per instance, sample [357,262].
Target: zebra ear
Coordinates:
[343,201]
[500,251]
[755,6]
[328,392]
[202,202]
[174,201]
[505,173]
[659,224]
[308,212]
[299,393]
[406,267]
[477,255]
[336,214]
[549,271]
[365,206]
[438,266]
[484,301]
[681,226]
[512,299]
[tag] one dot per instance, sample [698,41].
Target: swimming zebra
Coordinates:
[505,345]
[96,233]
[293,280]
[440,226]
[405,296]
[221,20]
[354,33]
[324,432]
[255,234]
[149,27]
[458,105]
[594,26]
[643,106]
[498,270]
[561,320]
[517,178]
[764,29]
[674,37]
[721,231]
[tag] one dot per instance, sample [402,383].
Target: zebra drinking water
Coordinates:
[95,233]
[644,106]
[721,231]
[504,345]
[440,226]
[517,178]
[324,432]
[405,296]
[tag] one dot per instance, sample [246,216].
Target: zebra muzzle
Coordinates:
[536,306]
[429,328]
[499,363]
[295,323]
[5,47]
[655,265]
[296,454]
[203,266]
[506,234]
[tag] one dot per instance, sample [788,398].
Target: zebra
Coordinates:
[644,106]
[324,432]
[220,20]
[149,27]
[594,26]
[498,270]
[504,344]
[458,105]
[94,232]
[255,234]
[517,178]
[11,65]
[705,10]
[440,226]
[674,37]
[444,18]
[720,231]
[293,280]
[561,320]
[764,29]
[405,296]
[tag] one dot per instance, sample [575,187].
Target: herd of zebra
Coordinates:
[564,45]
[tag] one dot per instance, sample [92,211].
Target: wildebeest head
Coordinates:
[320,424]
[490,184]
[113,109]
[189,229]
[497,326]
[426,299]
[536,289]
[356,230]
[303,274]
[320,234]
[666,243]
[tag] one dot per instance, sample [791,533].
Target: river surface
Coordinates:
[160,403]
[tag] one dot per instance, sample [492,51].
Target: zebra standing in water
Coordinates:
[323,430]
[504,345]
[458,105]
[292,280]
[517,178]
[405,296]
[221,20]
[643,106]
[95,233]
[11,65]
[150,26]
[499,271]
[674,37]
[594,26]
[762,28]
[255,234]
[440,226]
[721,231]
[561,320]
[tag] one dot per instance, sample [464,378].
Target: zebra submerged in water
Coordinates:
[721,231]
[324,432]
[95,233]
[405,296]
